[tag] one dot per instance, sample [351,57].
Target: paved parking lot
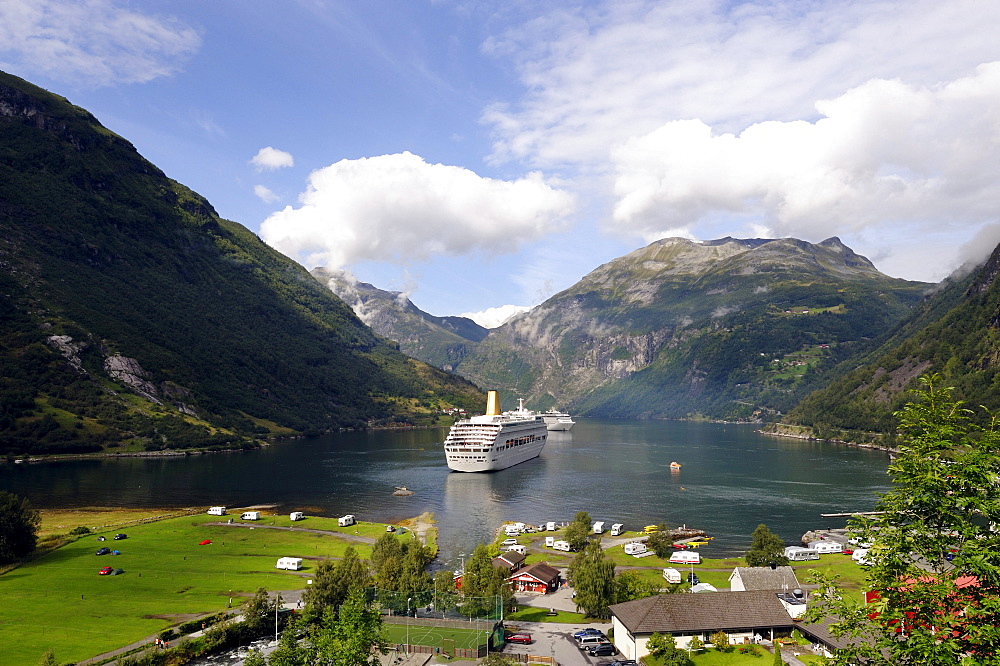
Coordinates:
[556,640]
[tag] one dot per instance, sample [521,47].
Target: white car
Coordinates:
[509,542]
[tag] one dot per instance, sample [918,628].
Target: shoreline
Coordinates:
[857,445]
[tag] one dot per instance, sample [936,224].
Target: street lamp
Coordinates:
[408,625]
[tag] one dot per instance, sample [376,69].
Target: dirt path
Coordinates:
[420,525]
[349,537]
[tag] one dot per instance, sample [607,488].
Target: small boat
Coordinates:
[675,465]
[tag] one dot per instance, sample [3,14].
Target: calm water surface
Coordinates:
[732,479]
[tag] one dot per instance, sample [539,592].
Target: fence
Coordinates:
[495,628]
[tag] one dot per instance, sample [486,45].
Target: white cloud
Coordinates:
[884,153]
[269,159]
[494,317]
[91,42]
[598,73]
[265,194]
[399,208]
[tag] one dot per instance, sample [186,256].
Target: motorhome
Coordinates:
[346,521]
[635,548]
[800,554]
[860,556]
[672,575]
[517,548]
[617,529]
[599,527]
[561,545]
[217,511]
[250,515]
[549,542]
[289,563]
[296,515]
[511,530]
[550,526]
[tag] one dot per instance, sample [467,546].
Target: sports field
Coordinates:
[435,636]
[59,601]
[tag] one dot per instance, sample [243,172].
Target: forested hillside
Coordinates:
[132,316]
[955,333]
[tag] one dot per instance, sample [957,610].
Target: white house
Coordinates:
[742,615]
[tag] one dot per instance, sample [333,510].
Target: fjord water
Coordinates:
[732,478]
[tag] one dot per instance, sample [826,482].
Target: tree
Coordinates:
[445,592]
[934,560]
[778,661]
[258,611]
[354,636]
[765,547]
[696,644]
[18,527]
[661,542]
[48,659]
[593,577]
[629,586]
[578,530]
[720,640]
[482,583]
[332,583]
[665,650]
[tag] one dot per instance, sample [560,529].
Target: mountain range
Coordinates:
[133,317]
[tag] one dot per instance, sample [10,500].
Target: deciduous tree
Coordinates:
[765,547]
[629,586]
[18,527]
[593,577]
[578,530]
[934,560]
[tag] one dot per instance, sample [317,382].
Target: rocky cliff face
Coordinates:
[681,327]
[440,341]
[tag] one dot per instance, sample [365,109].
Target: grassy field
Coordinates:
[536,614]
[168,578]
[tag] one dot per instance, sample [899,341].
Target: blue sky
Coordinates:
[481,154]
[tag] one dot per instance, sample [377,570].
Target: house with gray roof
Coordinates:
[763,578]
[744,616]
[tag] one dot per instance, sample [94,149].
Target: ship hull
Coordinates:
[489,446]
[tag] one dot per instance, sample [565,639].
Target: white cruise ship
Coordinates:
[557,420]
[495,440]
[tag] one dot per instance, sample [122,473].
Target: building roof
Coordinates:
[508,560]
[540,571]
[677,613]
[766,578]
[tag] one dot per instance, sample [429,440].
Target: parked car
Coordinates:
[519,638]
[623,662]
[102,551]
[105,571]
[509,542]
[589,631]
[117,572]
[602,650]
[120,536]
[693,578]
[100,538]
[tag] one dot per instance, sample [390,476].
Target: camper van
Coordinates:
[550,526]
[250,515]
[561,545]
[672,575]
[800,554]
[511,530]
[346,521]
[635,548]
[685,557]
[549,542]
[296,515]
[289,563]
[827,547]
[517,548]
[860,556]
[599,527]
[617,529]
[217,511]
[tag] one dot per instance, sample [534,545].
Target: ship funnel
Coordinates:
[492,403]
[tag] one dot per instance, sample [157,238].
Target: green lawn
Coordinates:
[168,578]
[733,658]
[536,614]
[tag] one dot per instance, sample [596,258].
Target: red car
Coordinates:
[519,638]
[105,571]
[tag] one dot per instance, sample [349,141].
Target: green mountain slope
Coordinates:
[955,333]
[131,315]
[440,341]
[726,329]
